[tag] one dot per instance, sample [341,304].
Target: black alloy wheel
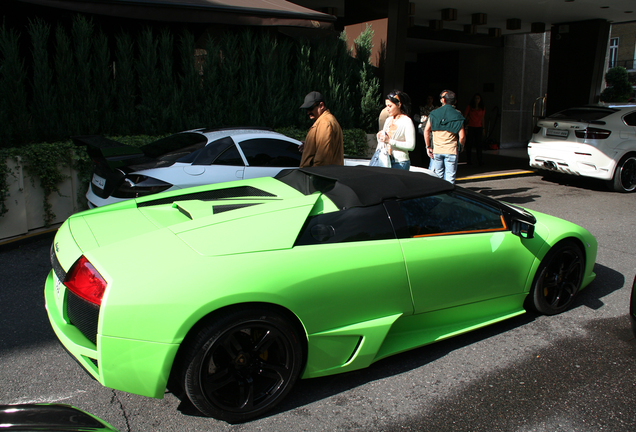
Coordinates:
[242,363]
[625,175]
[558,279]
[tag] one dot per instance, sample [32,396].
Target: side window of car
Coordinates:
[630,119]
[351,225]
[270,152]
[231,156]
[220,152]
[449,213]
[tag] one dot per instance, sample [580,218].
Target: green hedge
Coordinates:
[43,161]
[619,88]
[80,81]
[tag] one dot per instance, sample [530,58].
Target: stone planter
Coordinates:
[14,222]
[25,202]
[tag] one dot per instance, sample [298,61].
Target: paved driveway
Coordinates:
[572,372]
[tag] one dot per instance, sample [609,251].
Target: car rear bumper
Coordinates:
[133,366]
[569,158]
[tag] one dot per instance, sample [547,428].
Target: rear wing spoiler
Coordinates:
[114,154]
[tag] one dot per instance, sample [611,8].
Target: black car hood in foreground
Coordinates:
[50,417]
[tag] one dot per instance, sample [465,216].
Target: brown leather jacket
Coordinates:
[323,144]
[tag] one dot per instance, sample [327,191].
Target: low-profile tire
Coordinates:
[558,278]
[241,364]
[625,175]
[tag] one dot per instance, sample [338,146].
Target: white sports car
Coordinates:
[191,158]
[596,141]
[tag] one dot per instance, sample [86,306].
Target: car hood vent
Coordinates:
[229,207]
[194,209]
[209,195]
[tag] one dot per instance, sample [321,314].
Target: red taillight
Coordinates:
[86,282]
[592,133]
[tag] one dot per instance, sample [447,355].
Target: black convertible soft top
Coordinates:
[362,186]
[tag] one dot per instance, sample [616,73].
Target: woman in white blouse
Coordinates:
[398,132]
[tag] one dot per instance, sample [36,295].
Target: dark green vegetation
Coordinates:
[619,89]
[56,82]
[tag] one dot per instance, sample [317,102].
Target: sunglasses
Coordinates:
[394,98]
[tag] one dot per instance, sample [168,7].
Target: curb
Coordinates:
[36,235]
[494,175]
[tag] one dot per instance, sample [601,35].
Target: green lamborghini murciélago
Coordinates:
[228,293]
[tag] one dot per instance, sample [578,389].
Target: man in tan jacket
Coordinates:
[323,144]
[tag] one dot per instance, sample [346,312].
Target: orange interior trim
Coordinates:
[503,222]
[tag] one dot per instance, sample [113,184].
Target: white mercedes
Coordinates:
[596,141]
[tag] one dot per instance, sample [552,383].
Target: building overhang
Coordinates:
[234,12]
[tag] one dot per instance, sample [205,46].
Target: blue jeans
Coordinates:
[445,166]
[406,165]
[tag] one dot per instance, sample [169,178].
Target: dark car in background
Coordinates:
[50,417]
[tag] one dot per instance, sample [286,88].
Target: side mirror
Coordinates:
[522,229]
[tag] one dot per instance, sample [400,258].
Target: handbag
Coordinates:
[381,157]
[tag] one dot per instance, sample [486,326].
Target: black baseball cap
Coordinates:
[311,99]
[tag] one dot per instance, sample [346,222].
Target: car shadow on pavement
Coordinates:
[607,281]
[23,319]
[575,181]
[580,380]
[512,196]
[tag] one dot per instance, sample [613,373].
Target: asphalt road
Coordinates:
[572,372]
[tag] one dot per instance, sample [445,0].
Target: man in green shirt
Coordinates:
[447,127]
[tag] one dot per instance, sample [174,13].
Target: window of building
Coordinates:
[613,52]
